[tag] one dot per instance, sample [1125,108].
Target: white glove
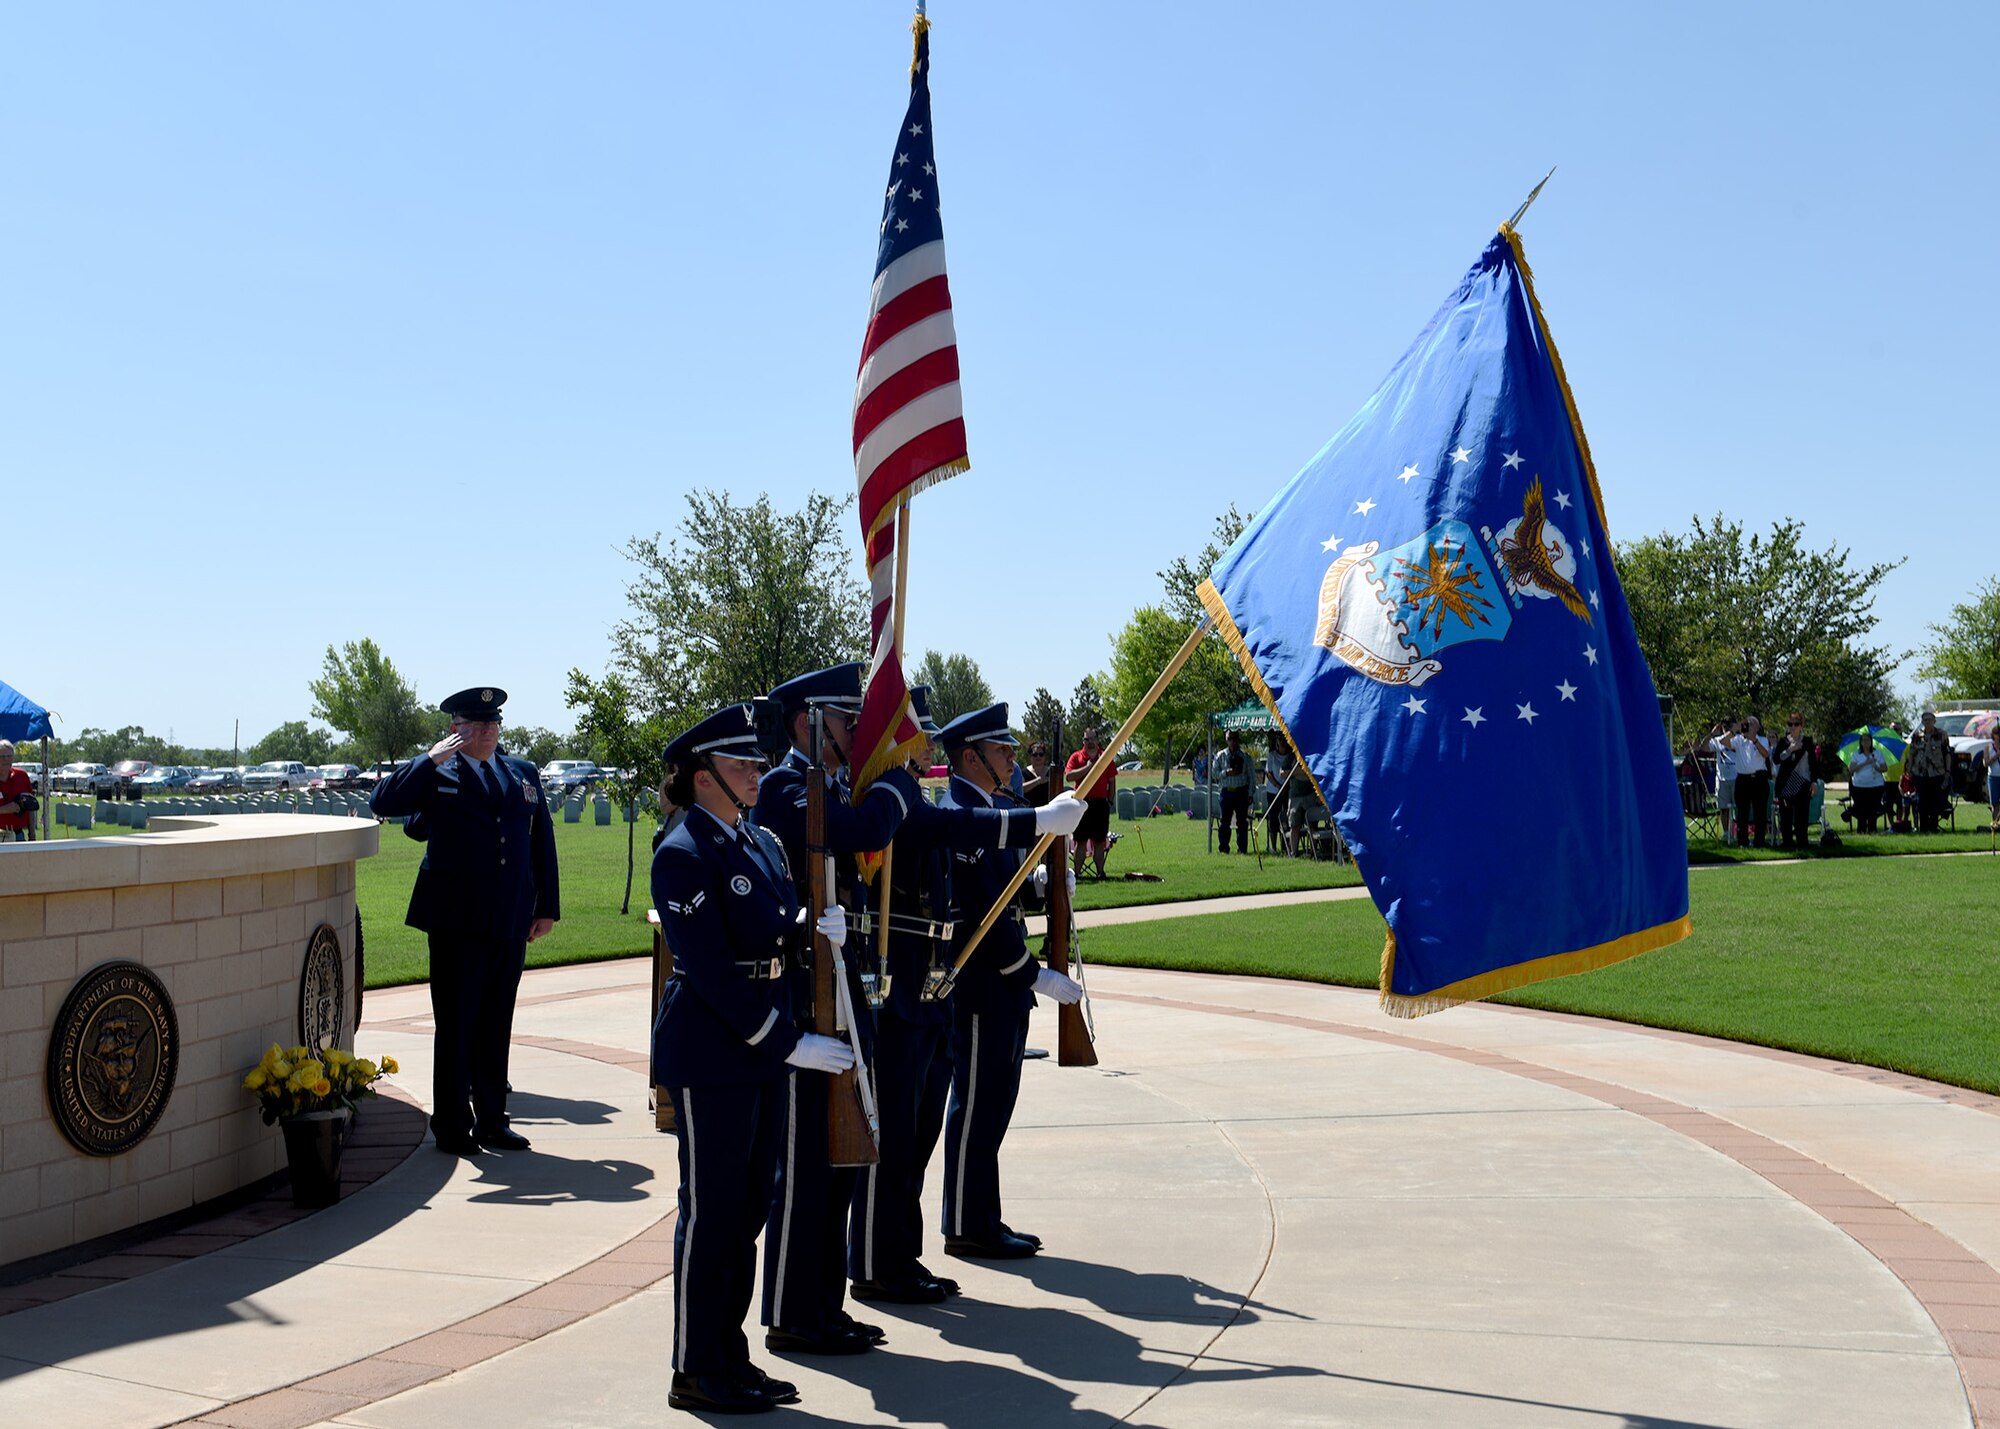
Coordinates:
[1050,983]
[1060,815]
[833,924]
[1041,877]
[822,1054]
[1069,877]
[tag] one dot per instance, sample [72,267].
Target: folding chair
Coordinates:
[1703,819]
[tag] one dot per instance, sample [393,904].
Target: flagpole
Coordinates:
[899,603]
[1089,780]
[1510,223]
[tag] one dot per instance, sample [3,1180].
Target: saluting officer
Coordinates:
[805,1244]
[486,889]
[913,1035]
[990,1004]
[722,1042]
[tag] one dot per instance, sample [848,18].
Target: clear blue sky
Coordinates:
[329,321]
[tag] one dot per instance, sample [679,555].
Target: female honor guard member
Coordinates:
[722,1042]
[990,1006]
[485,890]
[913,1035]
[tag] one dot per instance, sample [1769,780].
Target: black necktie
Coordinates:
[492,783]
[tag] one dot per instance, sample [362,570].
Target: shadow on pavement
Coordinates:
[537,1178]
[531,1107]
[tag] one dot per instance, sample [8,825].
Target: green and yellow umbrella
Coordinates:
[1892,745]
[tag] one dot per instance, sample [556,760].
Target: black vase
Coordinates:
[312,1146]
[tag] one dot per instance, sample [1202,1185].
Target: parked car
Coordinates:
[560,776]
[160,779]
[75,778]
[32,769]
[378,771]
[214,780]
[337,776]
[277,774]
[116,782]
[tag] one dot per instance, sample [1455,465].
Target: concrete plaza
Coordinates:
[1269,1205]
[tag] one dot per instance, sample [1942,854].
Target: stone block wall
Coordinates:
[230,950]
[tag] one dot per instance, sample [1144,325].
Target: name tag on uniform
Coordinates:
[447,788]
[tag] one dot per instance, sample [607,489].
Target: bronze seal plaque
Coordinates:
[112,1057]
[322,991]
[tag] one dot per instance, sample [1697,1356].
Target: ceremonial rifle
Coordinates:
[851,1128]
[1073,1040]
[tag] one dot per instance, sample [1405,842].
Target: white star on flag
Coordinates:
[1562,499]
[1586,547]
[1405,475]
[1362,508]
[1513,460]
[1461,455]
[1593,600]
[1526,712]
[916,129]
[1474,717]
[1414,705]
[1566,690]
[1329,543]
[1590,653]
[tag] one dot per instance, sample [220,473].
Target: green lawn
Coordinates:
[1893,962]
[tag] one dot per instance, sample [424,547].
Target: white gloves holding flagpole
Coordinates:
[1060,815]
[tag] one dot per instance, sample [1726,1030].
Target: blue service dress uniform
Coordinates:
[805,1269]
[725,1026]
[489,872]
[913,1037]
[989,1029]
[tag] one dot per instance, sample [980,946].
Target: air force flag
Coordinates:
[1430,610]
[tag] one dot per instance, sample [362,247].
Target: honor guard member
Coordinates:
[990,1004]
[486,889]
[805,1244]
[723,1040]
[913,1035]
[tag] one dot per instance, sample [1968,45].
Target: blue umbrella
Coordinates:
[21,717]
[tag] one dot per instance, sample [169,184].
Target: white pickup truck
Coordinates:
[277,774]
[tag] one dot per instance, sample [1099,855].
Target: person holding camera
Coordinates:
[1717,744]
[1752,754]
[1792,770]
[17,799]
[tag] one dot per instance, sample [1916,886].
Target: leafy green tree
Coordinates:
[1755,625]
[1086,712]
[1184,575]
[537,745]
[1179,717]
[360,693]
[293,740]
[1042,719]
[620,738]
[741,599]
[1962,660]
[956,685]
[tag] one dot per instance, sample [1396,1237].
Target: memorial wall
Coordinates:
[140,977]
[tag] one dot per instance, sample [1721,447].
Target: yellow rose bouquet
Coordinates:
[290,1081]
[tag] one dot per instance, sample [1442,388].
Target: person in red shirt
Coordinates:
[14,820]
[1093,835]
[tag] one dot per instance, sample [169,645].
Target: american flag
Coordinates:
[909,421]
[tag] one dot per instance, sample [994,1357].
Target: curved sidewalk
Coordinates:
[1269,1205]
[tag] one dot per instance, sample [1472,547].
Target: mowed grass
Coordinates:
[1890,962]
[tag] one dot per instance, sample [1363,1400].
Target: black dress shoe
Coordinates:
[901,1292]
[716,1394]
[842,1341]
[501,1140]
[874,1334]
[778,1391]
[944,1282]
[1029,1236]
[458,1146]
[1000,1247]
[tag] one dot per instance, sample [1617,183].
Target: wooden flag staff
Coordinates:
[943,987]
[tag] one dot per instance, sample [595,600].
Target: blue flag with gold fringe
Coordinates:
[1430,610]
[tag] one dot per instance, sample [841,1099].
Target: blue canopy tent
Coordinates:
[21,718]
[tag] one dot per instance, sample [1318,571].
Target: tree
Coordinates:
[1139,652]
[1962,661]
[1184,575]
[1758,626]
[537,745]
[957,687]
[620,738]
[1086,711]
[1042,719]
[360,693]
[741,599]
[293,740]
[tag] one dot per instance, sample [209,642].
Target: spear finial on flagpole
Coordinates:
[1513,222]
